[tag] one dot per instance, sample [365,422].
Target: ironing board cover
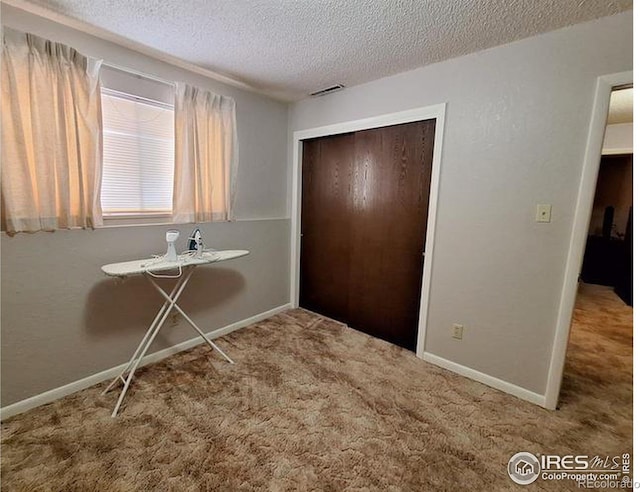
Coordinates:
[134,267]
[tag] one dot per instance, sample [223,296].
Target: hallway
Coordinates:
[598,378]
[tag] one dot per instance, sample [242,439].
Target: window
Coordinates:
[145,122]
[138,147]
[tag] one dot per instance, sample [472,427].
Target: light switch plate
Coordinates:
[457,331]
[543,213]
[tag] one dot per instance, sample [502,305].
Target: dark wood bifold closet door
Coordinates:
[364,217]
[326,221]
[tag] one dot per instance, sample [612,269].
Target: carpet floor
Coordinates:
[313,405]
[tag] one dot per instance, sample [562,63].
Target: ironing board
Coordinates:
[150,268]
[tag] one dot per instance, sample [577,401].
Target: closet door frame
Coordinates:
[436,112]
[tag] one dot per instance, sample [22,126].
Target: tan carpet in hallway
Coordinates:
[313,405]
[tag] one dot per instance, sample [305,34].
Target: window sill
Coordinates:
[119,220]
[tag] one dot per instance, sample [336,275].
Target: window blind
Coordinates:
[138,155]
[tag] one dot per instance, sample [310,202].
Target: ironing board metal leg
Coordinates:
[154,332]
[135,366]
[192,323]
[201,333]
[120,377]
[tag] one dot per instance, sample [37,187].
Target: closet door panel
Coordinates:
[326,221]
[392,176]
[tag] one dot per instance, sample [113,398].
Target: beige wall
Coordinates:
[514,136]
[63,320]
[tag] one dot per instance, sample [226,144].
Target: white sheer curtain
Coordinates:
[51,136]
[206,159]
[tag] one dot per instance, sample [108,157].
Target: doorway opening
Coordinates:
[599,358]
[605,85]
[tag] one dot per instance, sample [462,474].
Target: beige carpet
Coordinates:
[313,405]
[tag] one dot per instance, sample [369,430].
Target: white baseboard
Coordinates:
[67,389]
[483,378]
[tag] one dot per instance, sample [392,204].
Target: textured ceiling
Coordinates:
[290,48]
[621,107]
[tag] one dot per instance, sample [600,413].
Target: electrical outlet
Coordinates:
[457,331]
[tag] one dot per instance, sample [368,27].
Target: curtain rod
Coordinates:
[137,73]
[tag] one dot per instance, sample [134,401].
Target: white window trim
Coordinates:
[133,97]
[136,220]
